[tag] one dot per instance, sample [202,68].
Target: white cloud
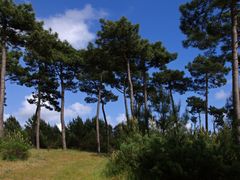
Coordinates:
[74,25]
[121,118]
[6,116]
[59,126]
[221,95]
[27,110]
[188,125]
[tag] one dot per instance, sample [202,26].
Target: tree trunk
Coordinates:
[130,88]
[214,127]
[97,119]
[126,105]
[106,127]
[200,122]
[64,146]
[145,100]
[2,85]
[173,104]
[38,113]
[206,104]
[235,90]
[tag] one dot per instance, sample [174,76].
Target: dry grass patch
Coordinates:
[55,164]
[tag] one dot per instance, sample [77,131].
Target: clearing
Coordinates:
[55,164]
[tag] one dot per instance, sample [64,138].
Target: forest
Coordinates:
[156,141]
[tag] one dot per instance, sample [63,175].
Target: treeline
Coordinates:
[121,59]
[80,134]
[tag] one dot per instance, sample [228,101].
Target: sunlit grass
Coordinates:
[55,164]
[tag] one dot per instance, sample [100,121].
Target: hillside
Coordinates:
[55,164]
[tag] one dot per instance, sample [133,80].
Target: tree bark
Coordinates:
[130,88]
[97,118]
[214,127]
[145,100]
[125,104]
[173,104]
[2,86]
[64,146]
[38,114]
[200,122]
[235,65]
[206,103]
[106,127]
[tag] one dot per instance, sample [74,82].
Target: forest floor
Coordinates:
[56,165]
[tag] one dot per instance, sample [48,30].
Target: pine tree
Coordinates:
[173,81]
[16,21]
[65,59]
[39,73]
[121,40]
[94,80]
[212,25]
[197,106]
[218,115]
[207,72]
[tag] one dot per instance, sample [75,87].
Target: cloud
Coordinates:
[59,126]
[121,118]
[27,110]
[74,25]
[188,125]
[6,116]
[221,95]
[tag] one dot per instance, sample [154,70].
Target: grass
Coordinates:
[55,164]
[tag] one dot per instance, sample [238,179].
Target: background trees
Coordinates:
[213,25]
[207,73]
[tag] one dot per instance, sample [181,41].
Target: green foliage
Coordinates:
[82,135]
[11,125]
[50,137]
[14,146]
[177,155]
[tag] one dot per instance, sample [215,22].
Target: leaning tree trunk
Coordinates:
[38,113]
[145,101]
[130,88]
[125,104]
[62,117]
[173,105]
[235,65]
[106,127]
[2,85]
[206,103]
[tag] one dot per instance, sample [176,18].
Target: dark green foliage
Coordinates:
[50,137]
[178,155]
[207,71]
[14,146]
[82,135]
[206,23]
[11,125]
[196,105]
[218,115]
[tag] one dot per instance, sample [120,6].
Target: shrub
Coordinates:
[179,155]
[14,146]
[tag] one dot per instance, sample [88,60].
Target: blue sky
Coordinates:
[77,22]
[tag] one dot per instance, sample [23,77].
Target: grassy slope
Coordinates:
[55,164]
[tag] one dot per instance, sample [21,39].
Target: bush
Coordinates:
[14,146]
[178,155]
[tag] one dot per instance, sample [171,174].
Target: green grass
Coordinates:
[55,164]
